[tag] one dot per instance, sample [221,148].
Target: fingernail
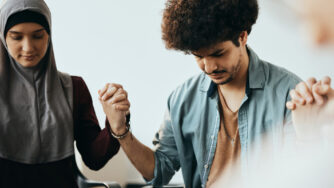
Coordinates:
[309,99]
[302,101]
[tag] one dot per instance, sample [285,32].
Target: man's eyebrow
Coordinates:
[217,52]
[195,54]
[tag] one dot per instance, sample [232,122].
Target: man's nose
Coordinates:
[209,65]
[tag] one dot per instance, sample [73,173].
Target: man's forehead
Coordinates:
[214,48]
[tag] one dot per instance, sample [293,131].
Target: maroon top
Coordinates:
[96,147]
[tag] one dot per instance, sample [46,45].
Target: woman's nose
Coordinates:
[27,45]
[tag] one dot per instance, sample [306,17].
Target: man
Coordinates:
[311,163]
[220,115]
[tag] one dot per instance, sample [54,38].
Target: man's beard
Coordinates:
[229,79]
[232,75]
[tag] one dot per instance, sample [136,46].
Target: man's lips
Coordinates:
[216,74]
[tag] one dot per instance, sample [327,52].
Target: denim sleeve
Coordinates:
[165,153]
[289,130]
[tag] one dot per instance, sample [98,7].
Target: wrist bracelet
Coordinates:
[122,135]
[127,129]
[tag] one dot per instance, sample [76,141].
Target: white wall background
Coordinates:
[120,41]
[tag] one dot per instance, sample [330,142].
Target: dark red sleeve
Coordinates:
[96,146]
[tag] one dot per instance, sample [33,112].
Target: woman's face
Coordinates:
[27,43]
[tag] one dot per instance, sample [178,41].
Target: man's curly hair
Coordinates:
[189,25]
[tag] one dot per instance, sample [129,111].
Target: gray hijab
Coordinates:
[36,119]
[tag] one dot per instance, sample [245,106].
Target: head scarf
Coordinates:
[36,103]
[26,16]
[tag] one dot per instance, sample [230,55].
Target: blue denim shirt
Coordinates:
[188,135]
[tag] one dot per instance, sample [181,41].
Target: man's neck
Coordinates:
[238,84]
[234,91]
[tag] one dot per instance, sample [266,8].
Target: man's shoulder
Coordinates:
[279,75]
[188,89]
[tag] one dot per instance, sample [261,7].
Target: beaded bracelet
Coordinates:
[122,135]
[127,129]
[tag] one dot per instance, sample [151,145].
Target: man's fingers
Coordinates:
[103,90]
[109,93]
[113,89]
[296,97]
[290,105]
[305,91]
[108,87]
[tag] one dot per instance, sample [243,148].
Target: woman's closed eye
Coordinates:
[38,36]
[16,37]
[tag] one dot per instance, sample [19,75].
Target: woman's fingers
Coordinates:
[120,107]
[119,99]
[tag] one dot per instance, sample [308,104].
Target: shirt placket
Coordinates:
[211,151]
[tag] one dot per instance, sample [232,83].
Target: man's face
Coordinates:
[220,62]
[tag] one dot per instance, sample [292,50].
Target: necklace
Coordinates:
[232,138]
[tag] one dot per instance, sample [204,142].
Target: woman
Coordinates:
[42,111]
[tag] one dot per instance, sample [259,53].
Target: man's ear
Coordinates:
[243,38]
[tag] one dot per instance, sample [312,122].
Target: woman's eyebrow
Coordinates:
[38,30]
[17,32]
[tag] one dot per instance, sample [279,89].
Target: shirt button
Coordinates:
[202,185]
[212,137]
[206,166]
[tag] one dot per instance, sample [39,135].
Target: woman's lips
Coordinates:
[29,57]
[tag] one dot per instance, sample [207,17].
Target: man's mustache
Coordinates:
[216,72]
